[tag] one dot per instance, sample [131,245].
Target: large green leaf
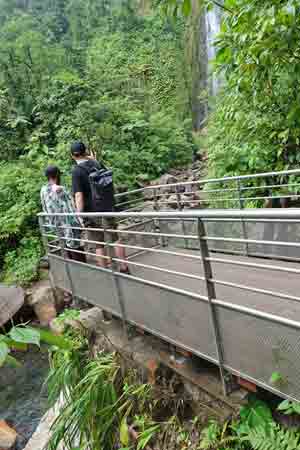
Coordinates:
[256,414]
[25,335]
[58,341]
[14,345]
[289,407]
[4,350]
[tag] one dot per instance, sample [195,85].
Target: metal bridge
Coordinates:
[220,283]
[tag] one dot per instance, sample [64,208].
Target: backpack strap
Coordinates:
[89,169]
[97,166]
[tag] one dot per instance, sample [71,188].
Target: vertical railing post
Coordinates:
[211,295]
[62,243]
[241,207]
[46,248]
[155,199]
[115,278]
[157,223]
[44,239]
[180,208]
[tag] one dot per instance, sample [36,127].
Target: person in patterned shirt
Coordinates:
[56,199]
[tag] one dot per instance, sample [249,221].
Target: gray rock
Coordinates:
[11,300]
[173,202]
[165,180]
[148,206]
[185,200]
[43,302]
[192,187]
[148,194]
[92,319]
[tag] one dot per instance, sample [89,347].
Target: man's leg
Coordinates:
[100,260]
[119,251]
[121,254]
[98,236]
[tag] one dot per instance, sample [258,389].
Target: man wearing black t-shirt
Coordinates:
[84,203]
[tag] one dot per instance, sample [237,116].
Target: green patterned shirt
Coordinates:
[56,199]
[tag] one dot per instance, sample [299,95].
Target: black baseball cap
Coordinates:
[78,148]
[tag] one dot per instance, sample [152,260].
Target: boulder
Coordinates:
[61,297]
[92,319]
[173,201]
[185,200]
[165,180]
[148,206]
[43,302]
[192,187]
[8,436]
[148,194]
[11,300]
[180,188]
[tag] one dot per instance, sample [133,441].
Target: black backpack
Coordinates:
[102,186]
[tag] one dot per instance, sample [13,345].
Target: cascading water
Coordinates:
[213,25]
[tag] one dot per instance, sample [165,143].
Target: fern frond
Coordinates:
[274,438]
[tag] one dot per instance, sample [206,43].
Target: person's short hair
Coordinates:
[78,148]
[52,172]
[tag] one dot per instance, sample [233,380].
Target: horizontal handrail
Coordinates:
[270,267]
[263,213]
[212,180]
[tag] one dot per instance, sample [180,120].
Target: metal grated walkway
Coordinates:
[286,283]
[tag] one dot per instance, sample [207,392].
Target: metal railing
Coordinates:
[268,189]
[230,192]
[234,311]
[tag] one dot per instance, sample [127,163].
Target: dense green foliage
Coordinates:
[255,430]
[98,399]
[113,74]
[19,337]
[103,404]
[107,72]
[256,126]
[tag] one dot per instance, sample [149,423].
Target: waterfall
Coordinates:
[204,27]
[213,24]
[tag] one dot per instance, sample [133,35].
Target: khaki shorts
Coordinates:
[102,236]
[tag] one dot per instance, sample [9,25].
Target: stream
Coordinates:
[23,400]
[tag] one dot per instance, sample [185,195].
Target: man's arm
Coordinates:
[79,202]
[78,190]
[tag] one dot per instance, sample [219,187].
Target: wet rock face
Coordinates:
[11,300]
